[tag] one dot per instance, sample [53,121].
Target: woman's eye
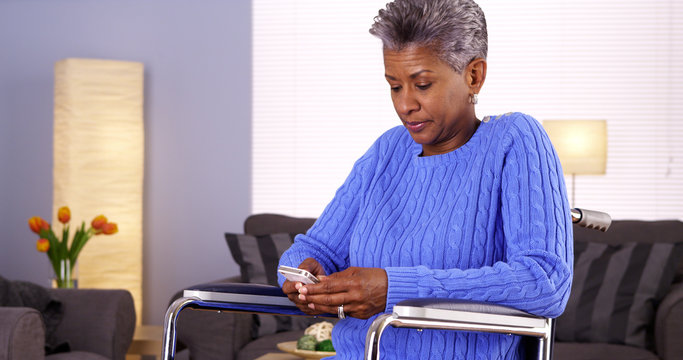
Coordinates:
[423,86]
[395,88]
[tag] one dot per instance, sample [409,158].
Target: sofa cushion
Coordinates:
[572,351]
[264,224]
[650,232]
[258,258]
[76,355]
[615,292]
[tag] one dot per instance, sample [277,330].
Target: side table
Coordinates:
[278,356]
[147,340]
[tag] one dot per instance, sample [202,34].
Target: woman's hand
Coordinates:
[291,288]
[362,291]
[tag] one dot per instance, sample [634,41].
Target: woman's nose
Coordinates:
[405,103]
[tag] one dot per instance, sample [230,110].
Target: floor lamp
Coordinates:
[98,165]
[581,146]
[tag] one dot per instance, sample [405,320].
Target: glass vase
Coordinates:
[65,278]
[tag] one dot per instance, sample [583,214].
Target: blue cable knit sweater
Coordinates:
[489,221]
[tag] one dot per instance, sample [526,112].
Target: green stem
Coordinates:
[65,233]
[80,239]
[53,253]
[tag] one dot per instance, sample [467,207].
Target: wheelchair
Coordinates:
[424,313]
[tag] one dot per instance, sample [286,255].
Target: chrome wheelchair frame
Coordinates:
[448,314]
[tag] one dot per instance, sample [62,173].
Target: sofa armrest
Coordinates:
[22,334]
[96,320]
[209,335]
[669,325]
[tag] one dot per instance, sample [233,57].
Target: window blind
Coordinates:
[320,98]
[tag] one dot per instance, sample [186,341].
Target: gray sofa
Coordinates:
[227,336]
[96,325]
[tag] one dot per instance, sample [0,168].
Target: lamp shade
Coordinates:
[580,144]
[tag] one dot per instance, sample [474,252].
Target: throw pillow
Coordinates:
[258,258]
[615,292]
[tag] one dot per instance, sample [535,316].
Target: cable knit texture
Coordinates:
[488,221]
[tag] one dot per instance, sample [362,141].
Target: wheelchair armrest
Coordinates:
[464,305]
[241,297]
[454,314]
[229,297]
[465,311]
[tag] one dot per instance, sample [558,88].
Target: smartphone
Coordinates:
[300,275]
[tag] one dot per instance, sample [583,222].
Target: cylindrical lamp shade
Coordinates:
[580,144]
[98,165]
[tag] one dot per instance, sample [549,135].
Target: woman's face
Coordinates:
[431,98]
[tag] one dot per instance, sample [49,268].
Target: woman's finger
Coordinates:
[353,309]
[329,299]
[324,308]
[313,266]
[329,284]
[362,291]
[302,305]
[289,287]
[307,309]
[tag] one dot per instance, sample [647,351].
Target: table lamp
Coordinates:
[581,146]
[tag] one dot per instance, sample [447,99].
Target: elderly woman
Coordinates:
[445,205]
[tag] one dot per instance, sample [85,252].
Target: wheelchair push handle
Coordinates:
[591,219]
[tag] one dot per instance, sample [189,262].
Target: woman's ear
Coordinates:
[475,74]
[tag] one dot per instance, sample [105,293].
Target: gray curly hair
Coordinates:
[454,29]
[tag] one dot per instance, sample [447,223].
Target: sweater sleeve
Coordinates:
[328,239]
[534,220]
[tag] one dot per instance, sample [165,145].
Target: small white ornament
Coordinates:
[321,331]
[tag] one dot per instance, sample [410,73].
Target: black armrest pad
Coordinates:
[243,297]
[240,288]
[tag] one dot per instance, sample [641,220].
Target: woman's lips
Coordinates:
[415,126]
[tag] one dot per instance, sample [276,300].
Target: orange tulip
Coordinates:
[37,223]
[43,245]
[64,214]
[110,228]
[98,222]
